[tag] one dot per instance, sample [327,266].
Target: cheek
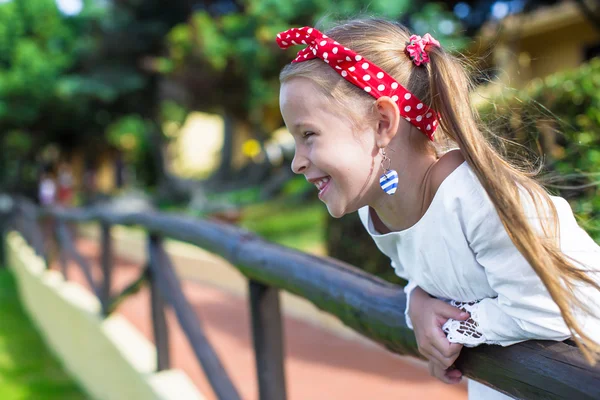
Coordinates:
[355,171]
[358,161]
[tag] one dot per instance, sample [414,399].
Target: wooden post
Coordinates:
[267,332]
[3,221]
[106,267]
[6,208]
[159,322]
[37,237]
[23,228]
[64,261]
[67,245]
[170,288]
[61,250]
[3,229]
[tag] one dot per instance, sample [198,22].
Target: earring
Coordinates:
[389,180]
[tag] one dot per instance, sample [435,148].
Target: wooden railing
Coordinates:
[368,305]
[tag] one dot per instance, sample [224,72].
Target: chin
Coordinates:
[337,212]
[336,215]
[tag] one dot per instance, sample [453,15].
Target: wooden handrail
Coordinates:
[371,306]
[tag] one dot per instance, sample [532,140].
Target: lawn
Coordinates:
[27,369]
[300,226]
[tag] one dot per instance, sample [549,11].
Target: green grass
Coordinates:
[300,226]
[27,369]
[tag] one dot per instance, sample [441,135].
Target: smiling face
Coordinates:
[331,152]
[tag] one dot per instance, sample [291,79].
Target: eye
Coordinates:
[307,134]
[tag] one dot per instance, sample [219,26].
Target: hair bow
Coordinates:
[417,48]
[360,72]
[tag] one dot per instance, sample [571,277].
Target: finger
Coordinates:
[443,345]
[452,376]
[453,373]
[446,311]
[440,373]
[433,355]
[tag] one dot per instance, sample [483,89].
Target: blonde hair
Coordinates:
[444,85]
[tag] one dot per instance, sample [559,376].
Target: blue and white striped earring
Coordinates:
[389,180]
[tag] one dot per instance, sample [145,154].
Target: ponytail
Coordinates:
[449,90]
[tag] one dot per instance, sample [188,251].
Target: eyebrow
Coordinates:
[301,124]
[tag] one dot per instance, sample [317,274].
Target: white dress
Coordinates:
[460,251]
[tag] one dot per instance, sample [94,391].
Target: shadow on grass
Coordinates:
[27,369]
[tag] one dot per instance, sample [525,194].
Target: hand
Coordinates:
[428,315]
[449,376]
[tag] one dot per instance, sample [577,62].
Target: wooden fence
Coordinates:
[368,305]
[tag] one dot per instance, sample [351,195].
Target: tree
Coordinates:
[226,58]
[67,79]
[38,47]
[51,91]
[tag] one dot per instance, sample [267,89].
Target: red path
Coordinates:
[319,365]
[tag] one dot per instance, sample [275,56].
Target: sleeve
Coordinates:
[523,308]
[410,286]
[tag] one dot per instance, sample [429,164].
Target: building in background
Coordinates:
[527,46]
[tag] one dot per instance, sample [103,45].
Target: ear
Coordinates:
[388,120]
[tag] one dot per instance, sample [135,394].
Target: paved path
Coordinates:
[319,364]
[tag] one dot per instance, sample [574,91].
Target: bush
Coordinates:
[347,240]
[560,114]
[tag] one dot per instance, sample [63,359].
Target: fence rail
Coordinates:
[371,306]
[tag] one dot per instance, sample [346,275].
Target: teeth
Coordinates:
[321,183]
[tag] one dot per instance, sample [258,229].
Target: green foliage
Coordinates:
[236,197]
[297,226]
[27,369]
[38,47]
[35,48]
[60,81]
[128,134]
[238,55]
[562,114]
[17,142]
[296,186]
[171,112]
[102,84]
[347,240]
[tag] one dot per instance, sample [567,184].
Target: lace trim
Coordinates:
[465,332]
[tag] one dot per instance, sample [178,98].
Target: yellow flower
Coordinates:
[251,148]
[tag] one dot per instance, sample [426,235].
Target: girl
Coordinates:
[490,257]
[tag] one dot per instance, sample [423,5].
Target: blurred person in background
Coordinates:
[65,185]
[47,188]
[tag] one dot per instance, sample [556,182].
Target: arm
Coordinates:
[523,309]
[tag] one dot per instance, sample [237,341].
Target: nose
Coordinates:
[299,163]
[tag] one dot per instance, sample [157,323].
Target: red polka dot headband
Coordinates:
[363,73]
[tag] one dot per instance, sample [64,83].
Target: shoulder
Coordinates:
[445,166]
[458,191]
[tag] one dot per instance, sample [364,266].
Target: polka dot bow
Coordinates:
[360,72]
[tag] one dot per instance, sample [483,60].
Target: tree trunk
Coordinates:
[158,156]
[225,169]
